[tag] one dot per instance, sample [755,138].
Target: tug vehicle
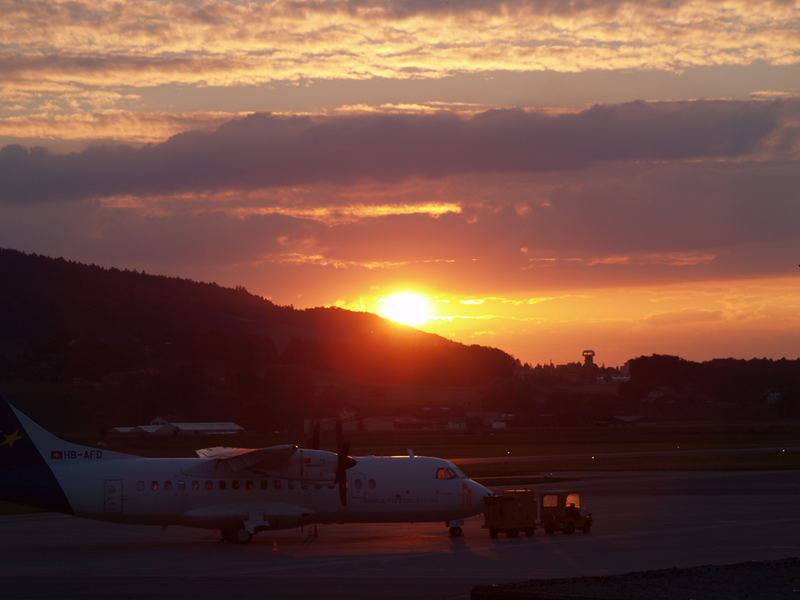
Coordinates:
[562,511]
[515,511]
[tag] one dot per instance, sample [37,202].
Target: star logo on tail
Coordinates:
[11,438]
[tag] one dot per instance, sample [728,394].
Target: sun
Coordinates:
[407,308]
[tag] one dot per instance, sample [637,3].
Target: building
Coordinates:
[159,427]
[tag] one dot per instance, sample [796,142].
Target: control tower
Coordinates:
[588,359]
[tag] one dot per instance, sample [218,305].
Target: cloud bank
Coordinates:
[265,151]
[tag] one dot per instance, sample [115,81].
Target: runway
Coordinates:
[643,520]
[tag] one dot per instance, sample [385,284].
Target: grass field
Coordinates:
[513,442]
[9,508]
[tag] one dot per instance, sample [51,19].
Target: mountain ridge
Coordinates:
[64,321]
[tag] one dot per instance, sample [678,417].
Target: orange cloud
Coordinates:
[331,215]
[677,259]
[120,125]
[99,46]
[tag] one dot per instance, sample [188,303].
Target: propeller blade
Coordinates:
[343,462]
[315,436]
[339,436]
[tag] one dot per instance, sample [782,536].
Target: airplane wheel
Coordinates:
[456,532]
[238,536]
[243,536]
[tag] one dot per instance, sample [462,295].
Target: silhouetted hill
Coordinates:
[112,346]
[186,343]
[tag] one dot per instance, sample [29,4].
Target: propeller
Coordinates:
[343,462]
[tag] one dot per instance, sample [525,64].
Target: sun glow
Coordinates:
[406,308]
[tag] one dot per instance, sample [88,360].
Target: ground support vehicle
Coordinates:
[511,512]
[561,511]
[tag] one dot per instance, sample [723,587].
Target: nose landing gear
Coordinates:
[455,528]
[239,536]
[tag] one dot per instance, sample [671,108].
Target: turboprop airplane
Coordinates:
[238,491]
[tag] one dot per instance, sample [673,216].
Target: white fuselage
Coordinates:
[231,489]
[185,491]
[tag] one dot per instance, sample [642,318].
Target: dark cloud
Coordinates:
[14,66]
[263,150]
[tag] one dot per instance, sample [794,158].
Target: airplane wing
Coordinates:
[248,459]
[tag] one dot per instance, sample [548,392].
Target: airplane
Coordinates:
[237,491]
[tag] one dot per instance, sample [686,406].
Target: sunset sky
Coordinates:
[547,176]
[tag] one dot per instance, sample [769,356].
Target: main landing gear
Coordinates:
[455,528]
[238,536]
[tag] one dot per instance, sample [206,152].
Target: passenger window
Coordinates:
[249,485]
[371,484]
[181,486]
[154,486]
[235,484]
[209,484]
[264,484]
[167,486]
[277,484]
[440,474]
[195,486]
[140,486]
[221,484]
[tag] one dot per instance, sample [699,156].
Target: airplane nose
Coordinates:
[479,491]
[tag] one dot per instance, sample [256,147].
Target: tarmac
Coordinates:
[642,521]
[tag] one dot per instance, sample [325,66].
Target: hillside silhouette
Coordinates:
[189,346]
[96,347]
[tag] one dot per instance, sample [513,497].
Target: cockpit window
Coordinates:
[459,473]
[451,472]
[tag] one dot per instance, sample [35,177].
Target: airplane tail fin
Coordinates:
[26,476]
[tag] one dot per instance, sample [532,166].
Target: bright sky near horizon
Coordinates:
[544,176]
